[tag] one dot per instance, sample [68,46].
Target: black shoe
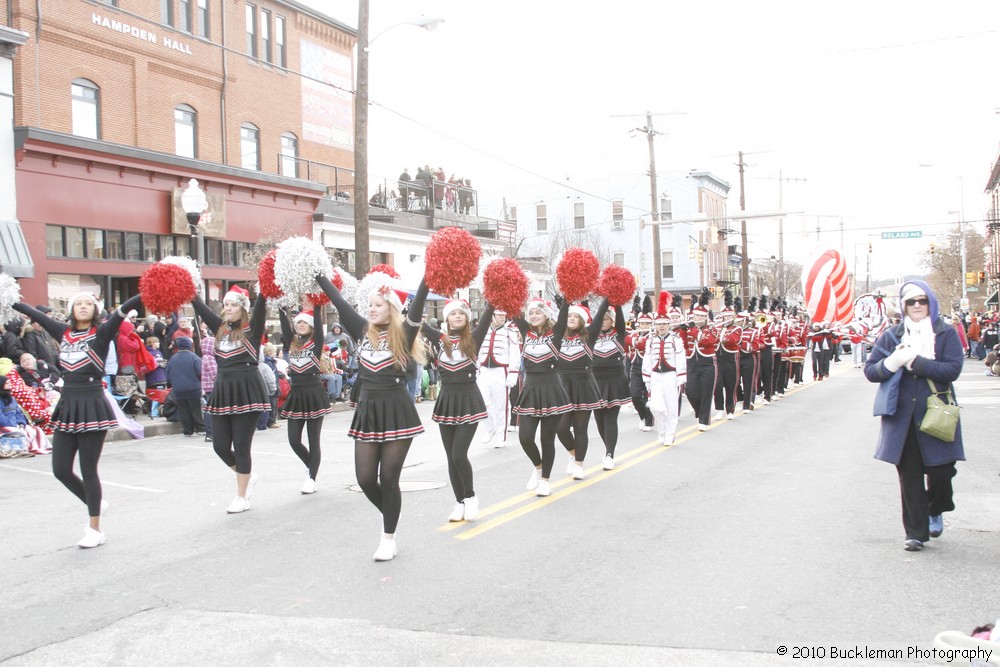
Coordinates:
[913,545]
[208,438]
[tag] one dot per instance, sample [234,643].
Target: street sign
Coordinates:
[971,289]
[902,235]
[963,303]
[735,260]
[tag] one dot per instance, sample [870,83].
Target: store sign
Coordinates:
[213,220]
[140,33]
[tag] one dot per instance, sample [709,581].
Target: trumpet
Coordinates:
[760,320]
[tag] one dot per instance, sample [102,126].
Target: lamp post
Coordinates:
[362,247]
[194,202]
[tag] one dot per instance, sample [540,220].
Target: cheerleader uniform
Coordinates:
[612,384]
[307,401]
[83,415]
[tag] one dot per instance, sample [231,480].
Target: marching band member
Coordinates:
[749,344]
[576,359]
[797,337]
[664,370]
[819,344]
[609,355]
[728,361]
[766,356]
[701,342]
[780,348]
[635,349]
[678,324]
[499,363]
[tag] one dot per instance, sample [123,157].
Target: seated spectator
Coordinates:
[331,374]
[32,391]
[12,417]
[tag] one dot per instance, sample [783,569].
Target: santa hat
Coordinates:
[307,317]
[460,305]
[238,295]
[662,310]
[93,297]
[545,306]
[582,311]
[388,287]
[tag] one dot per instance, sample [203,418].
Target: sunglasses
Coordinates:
[921,301]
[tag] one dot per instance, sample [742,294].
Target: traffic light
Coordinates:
[869,247]
[970,277]
[981,277]
[691,251]
[701,255]
[932,247]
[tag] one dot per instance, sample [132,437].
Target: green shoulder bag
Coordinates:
[941,418]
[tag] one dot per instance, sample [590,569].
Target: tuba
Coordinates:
[760,320]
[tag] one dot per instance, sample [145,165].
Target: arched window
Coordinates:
[86,108]
[249,146]
[185,131]
[289,153]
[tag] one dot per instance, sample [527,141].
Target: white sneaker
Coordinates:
[499,444]
[238,505]
[386,550]
[308,486]
[702,427]
[578,472]
[645,428]
[608,463]
[731,415]
[471,508]
[663,439]
[487,437]
[91,538]
[719,415]
[457,512]
[543,488]
[536,475]
[571,466]
[765,402]
[254,478]
[104,507]
[511,428]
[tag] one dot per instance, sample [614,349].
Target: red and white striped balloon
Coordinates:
[827,288]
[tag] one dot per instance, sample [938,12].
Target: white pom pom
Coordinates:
[10,293]
[371,284]
[191,267]
[297,263]
[350,289]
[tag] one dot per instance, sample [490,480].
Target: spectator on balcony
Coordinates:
[404,189]
[439,184]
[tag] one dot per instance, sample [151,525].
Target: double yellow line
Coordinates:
[566,487]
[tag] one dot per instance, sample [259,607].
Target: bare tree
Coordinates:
[944,266]
[766,273]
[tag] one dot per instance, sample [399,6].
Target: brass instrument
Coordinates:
[760,320]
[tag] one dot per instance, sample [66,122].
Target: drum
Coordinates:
[796,355]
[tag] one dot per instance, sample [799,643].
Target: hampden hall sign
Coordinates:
[140,33]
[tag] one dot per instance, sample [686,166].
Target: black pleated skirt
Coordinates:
[459,403]
[542,395]
[307,399]
[238,390]
[582,390]
[612,386]
[384,414]
[83,408]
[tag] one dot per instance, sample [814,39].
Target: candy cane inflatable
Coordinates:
[827,289]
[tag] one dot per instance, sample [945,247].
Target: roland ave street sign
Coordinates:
[902,235]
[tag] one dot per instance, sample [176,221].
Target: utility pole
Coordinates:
[362,252]
[781,226]
[745,261]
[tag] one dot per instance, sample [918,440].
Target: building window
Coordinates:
[667,265]
[618,259]
[229,253]
[185,131]
[150,247]
[251,31]
[115,244]
[167,12]
[250,146]
[201,18]
[133,247]
[578,219]
[617,213]
[74,242]
[213,247]
[54,246]
[265,34]
[95,243]
[183,245]
[184,15]
[166,246]
[666,209]
[289,153]
[541,221]
[279,42]
[86,109]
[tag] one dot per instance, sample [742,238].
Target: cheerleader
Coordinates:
[83,415]
[385,420]
[238,396]
[576,359]
[543,398]
[307,401]
[460,406]
[612,382]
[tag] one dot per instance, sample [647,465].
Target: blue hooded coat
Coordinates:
[914,390]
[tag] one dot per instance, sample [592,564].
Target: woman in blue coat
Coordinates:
[922,347]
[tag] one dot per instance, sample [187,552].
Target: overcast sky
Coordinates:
[851,97]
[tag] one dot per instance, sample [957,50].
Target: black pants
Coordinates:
[514,395]
[796,372]
[232,437]
[607,427]
[456,440]
[377,466]
[748,378]
[921,502]
[637,389]
[780,374]
[527,426]
[189,412]
[65,447]
[766,367]
[310,457]
[725,385]
[207,418]
[701,387]
[573,434]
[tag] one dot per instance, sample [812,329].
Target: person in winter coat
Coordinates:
[209,369]
[270,379]
[921,352]
[184,378]
[156,378]
[39,343]
[10,343]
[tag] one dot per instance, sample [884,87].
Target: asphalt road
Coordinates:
[776,529]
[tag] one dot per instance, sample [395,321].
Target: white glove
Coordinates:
[899,358]
[511,380]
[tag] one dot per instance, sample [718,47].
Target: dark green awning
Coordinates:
[992,301]
[15,260]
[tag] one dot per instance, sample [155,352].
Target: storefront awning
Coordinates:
[15,260]
[992,301]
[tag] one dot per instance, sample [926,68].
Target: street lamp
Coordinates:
[362,247]
[194,202]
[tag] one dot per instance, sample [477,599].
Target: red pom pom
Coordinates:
[165,288]
[386,269]
[577,273]
[338,282]
[617,284]
[319,298]
[452,260]
[505,286]
[265,275]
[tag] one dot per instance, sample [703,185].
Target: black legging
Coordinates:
[311,457]
[572,433]
[526,434]
[377,466]
[232,436]
[456,440]
[607,427]
[65,447]
[638,392]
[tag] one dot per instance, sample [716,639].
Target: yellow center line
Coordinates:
[595,475]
